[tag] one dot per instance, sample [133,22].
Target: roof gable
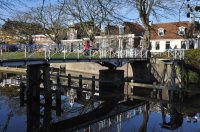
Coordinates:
[129,28]
[172,29]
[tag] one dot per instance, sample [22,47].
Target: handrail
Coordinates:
[177,54]
[66,52]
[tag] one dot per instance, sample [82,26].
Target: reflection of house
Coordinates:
[42,39]
[175,35]
[125,36]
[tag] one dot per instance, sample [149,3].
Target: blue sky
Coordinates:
[131,14]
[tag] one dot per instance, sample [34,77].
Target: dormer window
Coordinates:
[181,31]
[121,29]
[161,32]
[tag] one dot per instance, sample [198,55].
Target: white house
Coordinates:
[42,39]
[181,35]
[124,36]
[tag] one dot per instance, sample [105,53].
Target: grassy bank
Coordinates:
[192,65]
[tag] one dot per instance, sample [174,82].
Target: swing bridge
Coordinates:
[37,61]
[37,54]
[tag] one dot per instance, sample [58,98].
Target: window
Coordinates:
[191,44]
[157,45]
[161,32]
[167,45]
[71,36]
[183,45]
[181,31]
[150,46]
[121,29]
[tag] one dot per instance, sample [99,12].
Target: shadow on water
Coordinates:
[106,111]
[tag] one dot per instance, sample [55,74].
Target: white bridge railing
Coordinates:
[66,52]
[177,54]
[122,53]
[78,52]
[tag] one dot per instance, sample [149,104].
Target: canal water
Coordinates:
[92,113]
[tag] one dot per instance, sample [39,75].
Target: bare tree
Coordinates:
[53,19]
[192,9]
[152,8]
[90,15]
[21,27]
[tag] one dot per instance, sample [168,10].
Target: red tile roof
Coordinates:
[129,28]
[134,28]
[172,28]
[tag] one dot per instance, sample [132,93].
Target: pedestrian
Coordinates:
[87,47]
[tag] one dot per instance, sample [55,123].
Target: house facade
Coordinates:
[42,39]
[181,35]
[127,35]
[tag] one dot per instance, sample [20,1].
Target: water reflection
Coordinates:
[84,111]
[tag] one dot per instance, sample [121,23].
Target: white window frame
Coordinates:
[121,29]
[168,43]
[181,30]
[161,32]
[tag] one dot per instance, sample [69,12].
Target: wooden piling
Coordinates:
[69,80]
[80,81]
[93,84]
[48,97]
[22,88]
[33,97]
[58,96]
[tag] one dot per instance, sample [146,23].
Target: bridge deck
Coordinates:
[32,55]
[30,61]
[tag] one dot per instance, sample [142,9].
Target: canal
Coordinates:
[85,110]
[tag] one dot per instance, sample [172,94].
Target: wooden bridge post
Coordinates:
[58,96]
[47,96]
[69,80]
[33,97]
[93,85]
[80,81]
[22,88]
[79,91]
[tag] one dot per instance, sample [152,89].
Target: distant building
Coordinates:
[127,35]
[42,39]
[172,35]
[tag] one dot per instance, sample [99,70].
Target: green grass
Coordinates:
[192,57]
[41,55]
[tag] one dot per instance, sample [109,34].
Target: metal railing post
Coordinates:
[49,53]
[64,52]
[78,52]
[167,53]
[25,52]
[45,53]
[100,54]
[110,53]
[1,52]
[175,54]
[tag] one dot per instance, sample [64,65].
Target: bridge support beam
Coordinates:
[37,74]
[142,72]
[111,82]
[33,97]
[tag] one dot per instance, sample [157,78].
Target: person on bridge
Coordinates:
[87,48]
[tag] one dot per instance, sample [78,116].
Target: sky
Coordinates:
[130,14]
